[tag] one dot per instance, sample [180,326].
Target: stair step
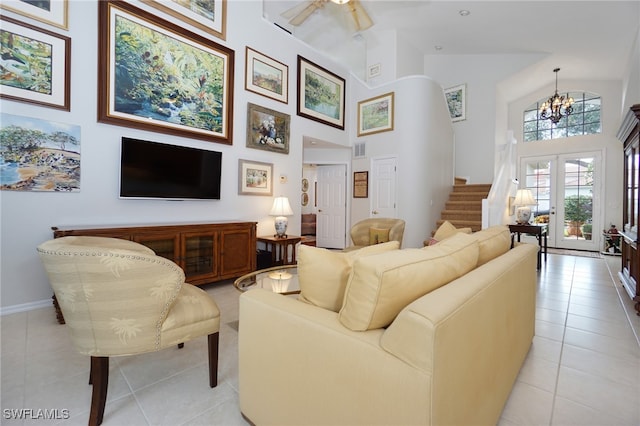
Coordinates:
[477,187]
[459,181]
[463,205]
[470,196]
[461,215]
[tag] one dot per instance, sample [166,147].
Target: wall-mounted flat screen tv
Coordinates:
[170,172]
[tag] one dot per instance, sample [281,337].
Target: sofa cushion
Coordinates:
[492,242]
[323,273]
[378,235]
[381,285]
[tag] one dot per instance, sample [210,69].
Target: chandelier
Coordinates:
[557,106]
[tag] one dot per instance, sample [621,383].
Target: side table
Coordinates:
[540,231]
[279,248]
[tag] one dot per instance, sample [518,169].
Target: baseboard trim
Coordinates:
[23,307]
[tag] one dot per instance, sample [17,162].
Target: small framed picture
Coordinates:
[52,12]
[267,129]
[360,184]
[36,65]
[457,100]
[266,76]
[375,115]
[255,178]
[209,16]
[374,70]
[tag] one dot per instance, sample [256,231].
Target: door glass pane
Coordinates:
[538,180]
[578,198]
[198,255]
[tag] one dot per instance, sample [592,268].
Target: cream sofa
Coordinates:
[447,357]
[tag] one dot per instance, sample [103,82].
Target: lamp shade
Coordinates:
[524,197]
[281,207]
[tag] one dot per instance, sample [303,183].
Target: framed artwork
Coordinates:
[155,75]
[48,161]
[304,199]
[255,178]
[36,65]
[266,76]
[375,115]
[305,184]
[457,100]
[52,12]
[374,70]
[267,129]
[360,184]
[321,94]
[209,16]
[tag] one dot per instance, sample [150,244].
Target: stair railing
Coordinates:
[495,208]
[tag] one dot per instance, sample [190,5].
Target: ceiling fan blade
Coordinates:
[360,16]
[295,10]
[305,12]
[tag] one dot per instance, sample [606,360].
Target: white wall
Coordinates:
[422,141]
[631,82]
[477,135]
[27,217]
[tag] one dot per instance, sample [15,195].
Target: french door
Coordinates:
[567,189]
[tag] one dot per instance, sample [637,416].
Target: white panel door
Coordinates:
[383,187]
[332,206]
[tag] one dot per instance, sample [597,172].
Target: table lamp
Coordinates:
[281,209]
[524,199]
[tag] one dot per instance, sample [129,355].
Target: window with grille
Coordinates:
[584,120]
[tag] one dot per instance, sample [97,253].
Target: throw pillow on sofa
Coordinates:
[444,231]
[492,242]
[323,273]
[381,285]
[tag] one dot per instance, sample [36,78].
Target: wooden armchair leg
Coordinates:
[213,340]
[99,377]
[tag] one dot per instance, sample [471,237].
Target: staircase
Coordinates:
[464,207]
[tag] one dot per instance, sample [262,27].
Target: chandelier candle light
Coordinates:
[557,106]
[524,199]
[281,209]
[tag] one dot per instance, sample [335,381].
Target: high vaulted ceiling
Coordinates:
[587,39]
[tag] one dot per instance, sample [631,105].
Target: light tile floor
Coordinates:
[583,367]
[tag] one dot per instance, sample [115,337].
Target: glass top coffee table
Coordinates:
[279,279]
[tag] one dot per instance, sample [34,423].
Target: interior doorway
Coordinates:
[567,190]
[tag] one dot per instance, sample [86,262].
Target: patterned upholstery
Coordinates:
[119,298]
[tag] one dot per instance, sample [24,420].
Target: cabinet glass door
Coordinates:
[163,245]
[199,254]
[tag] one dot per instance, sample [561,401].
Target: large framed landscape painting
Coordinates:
[38,155]
[36,65]
[375,115]
[157,76]
[321,94]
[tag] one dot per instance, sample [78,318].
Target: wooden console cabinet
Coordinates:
[207,252]
[629,274]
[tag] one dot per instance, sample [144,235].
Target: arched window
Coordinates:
[584,120]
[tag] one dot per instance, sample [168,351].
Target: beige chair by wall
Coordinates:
[119,298]
[361,232]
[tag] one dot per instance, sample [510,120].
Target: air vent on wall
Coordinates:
[359,150]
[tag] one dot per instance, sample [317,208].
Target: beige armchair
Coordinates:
[361,231]
[119,298]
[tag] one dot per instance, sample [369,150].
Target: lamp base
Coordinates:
[281,223]
[523,214]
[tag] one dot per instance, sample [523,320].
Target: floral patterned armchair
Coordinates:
[119,298]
